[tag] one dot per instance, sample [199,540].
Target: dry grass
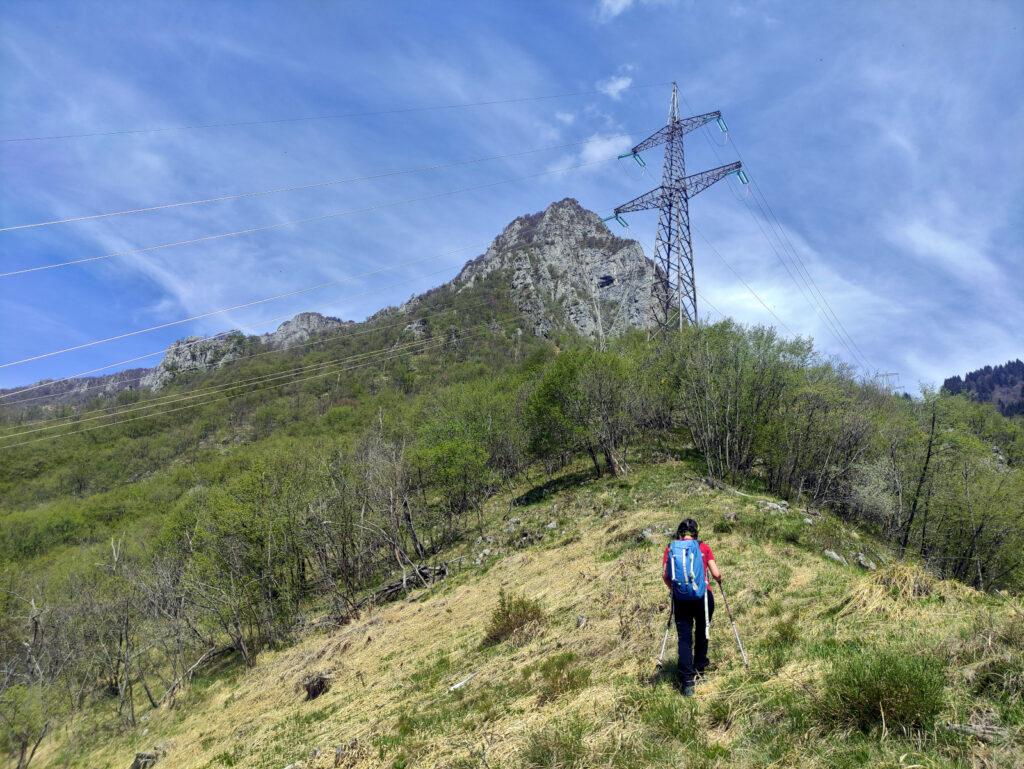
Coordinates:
[391,670]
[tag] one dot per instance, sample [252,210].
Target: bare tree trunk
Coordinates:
[593,458]
[421,554]
[905,537]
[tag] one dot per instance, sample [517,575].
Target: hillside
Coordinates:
[1002,386]
[211,539]
[565,269]
[411,685]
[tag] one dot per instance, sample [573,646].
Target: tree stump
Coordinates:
[145,760]
[315,685]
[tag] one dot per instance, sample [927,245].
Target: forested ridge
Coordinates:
[1002,386]
[138,554]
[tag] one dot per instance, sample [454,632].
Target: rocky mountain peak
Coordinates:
[567,269]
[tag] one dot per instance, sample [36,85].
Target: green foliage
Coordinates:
[513,614]
[23,718]
[872,687]
[244,512]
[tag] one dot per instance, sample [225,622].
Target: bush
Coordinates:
[513,614]
[871,688]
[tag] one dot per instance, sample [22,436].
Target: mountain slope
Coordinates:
[1002,386]
[411,685]
[566,270]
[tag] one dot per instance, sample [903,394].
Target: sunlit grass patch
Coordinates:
[894,689]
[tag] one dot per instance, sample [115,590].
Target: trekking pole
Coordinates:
[668,627]
[735,630]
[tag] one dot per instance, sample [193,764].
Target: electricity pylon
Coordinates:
[673,249]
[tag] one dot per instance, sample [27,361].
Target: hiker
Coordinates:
[686,563]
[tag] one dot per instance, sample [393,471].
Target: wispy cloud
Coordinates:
[615,85]
[902,197]
[609,9]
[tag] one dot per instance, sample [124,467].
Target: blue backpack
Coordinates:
[685,568]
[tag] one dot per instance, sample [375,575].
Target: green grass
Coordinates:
[558,746]
[876,687]
[560,675]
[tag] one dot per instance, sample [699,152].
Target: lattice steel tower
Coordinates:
[673,249]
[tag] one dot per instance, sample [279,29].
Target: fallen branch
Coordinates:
[427,575]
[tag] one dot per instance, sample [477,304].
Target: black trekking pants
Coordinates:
[693,640]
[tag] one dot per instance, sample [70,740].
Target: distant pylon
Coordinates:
[673,248]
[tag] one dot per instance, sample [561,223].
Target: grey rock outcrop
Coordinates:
[200,355]
[834,556]
[302,328]
[567,269]
[195,354]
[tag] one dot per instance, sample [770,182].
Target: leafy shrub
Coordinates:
[514,613]
[871,687]
[560,675]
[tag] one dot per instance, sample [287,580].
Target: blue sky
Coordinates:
[886,136]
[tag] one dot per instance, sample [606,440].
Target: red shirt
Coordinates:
[705,552]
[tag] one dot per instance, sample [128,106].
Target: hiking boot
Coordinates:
[688,690]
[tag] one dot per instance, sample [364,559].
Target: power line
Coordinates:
[387,356]
[382,355]
[799,261]
[170,399]
[311,185]
[310,118]
[291,222]
[52,422]
[832,321]
[182,344]
[740,278]
[221,310]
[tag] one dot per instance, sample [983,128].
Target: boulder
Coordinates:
[833,555]
[865,563]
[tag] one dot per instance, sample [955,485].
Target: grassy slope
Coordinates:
[393,667]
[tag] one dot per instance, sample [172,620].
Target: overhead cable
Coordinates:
[311,118]
[307,220]
[310,185]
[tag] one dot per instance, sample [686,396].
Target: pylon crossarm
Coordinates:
[693,123]
[697,183]
[655,139]
[645,202]
[676,128]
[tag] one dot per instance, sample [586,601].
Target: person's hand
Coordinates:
[718,579]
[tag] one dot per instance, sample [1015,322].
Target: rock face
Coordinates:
[199,355]
[302,328]
[195,354]
[567,270]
